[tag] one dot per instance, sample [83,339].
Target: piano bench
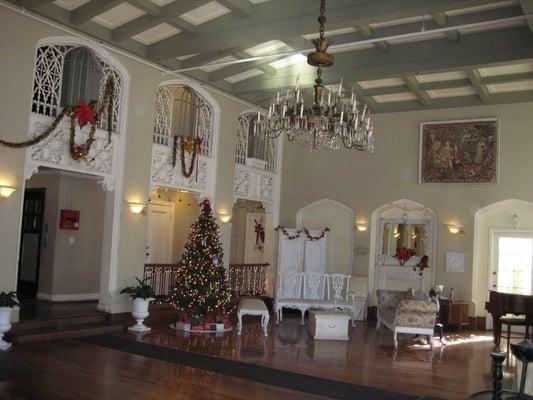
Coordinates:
[514,321]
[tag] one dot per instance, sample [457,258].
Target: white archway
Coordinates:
[511,215]
[341,220]
[111,176]
[400,211]
[161,174]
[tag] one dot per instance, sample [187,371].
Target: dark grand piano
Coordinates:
[501,303]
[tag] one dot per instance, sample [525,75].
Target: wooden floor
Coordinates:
[72,369]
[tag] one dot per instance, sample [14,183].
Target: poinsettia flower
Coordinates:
[85,113]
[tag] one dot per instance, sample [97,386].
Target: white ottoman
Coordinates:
[253,307]
[329,325]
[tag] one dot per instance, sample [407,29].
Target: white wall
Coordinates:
[340,240]
[16,77]
[364,182]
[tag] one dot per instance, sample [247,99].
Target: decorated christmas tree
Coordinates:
[202,286]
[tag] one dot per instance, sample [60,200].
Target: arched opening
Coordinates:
[340,219]
[401,223]
[68,69]
[82,77]
[503,241]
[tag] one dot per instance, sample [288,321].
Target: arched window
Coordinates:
[66,73]
[250,144]
[257,146]
[181,111]
[82,75]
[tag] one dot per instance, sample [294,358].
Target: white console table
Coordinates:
[401,273]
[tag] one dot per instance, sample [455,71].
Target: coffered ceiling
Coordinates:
[398,55]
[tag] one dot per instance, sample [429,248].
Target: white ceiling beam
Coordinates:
[170,12]
[92,9]
[421,95]
[242,8]
[442,20]
[481,89]
[269,23]
[527,8]
[34,3]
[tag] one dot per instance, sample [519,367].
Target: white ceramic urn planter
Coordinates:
[140,313]
[5,325]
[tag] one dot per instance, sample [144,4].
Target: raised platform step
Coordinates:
[69,332]
[61,322]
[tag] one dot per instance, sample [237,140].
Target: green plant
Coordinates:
[8,299]
[139,291]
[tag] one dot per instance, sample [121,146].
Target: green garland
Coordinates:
[77,152]
[187,172]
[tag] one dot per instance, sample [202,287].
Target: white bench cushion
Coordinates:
[252,306]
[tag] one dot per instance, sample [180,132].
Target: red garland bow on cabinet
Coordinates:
[85,113]
[299,232]
[403,254]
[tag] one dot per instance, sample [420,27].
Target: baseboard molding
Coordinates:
[68,297]
[477,323]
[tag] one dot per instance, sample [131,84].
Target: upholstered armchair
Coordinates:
[403,314]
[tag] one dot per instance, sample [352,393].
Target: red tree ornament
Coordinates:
[85,114]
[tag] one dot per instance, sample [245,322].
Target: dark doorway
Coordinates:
[30,243]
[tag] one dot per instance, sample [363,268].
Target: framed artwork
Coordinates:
[459,151]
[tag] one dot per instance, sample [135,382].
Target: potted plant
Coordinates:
[8,301]
[141,294]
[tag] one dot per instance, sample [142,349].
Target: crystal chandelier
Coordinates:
[329,124]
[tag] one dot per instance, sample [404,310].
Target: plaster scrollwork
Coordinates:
[54,151]
[241,183]
[406,206]
[266,187]
[163,174]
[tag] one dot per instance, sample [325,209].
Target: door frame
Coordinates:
[160,203]
[21,243]
[494,235]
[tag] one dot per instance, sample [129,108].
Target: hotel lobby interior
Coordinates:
[266,199]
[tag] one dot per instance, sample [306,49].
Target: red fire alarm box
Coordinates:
[69,219]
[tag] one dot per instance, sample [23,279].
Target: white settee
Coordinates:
[313,290]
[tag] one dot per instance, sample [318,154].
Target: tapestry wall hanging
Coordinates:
[459,151]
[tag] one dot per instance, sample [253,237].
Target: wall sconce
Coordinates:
[136,208]
[361,227]
[456,229]
[224,218]
[6,191]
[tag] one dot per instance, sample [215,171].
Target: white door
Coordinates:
[511,263]
[160,233]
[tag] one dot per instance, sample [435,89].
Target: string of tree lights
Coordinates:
[202,284]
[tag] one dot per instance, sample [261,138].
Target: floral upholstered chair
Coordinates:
[403,313]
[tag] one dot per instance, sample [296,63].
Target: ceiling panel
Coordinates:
[244,75]
[441,76]
[118,15]
[518,86]
[379,83]
[507,69]
[268,47]
[162,3]
[395,97]
[484,7]
[211,68]
[70,4]
[452,92]
[156,33]
[205,13]
[291,60]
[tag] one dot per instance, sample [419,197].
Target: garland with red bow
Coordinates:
[193,146]
[83,114]
[299,232]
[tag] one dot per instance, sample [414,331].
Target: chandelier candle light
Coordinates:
[341,122]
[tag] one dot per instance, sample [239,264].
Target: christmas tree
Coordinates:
[202,284]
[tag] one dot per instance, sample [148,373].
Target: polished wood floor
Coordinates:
[73,369]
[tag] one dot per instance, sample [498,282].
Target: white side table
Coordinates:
[253,307]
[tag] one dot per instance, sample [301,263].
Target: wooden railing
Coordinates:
[248,279]
[245,279]
[161,278]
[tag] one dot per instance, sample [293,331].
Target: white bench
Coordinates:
[251,306]
[313,290]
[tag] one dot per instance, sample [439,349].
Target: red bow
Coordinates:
[85,114]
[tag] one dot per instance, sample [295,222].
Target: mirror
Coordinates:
[413,236]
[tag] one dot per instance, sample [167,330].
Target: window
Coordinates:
[251,145]
[82,76]
[256,142]
[515,264]
[181,111]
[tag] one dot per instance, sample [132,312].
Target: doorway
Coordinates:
[30,244]
[512,262]
[159,238]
